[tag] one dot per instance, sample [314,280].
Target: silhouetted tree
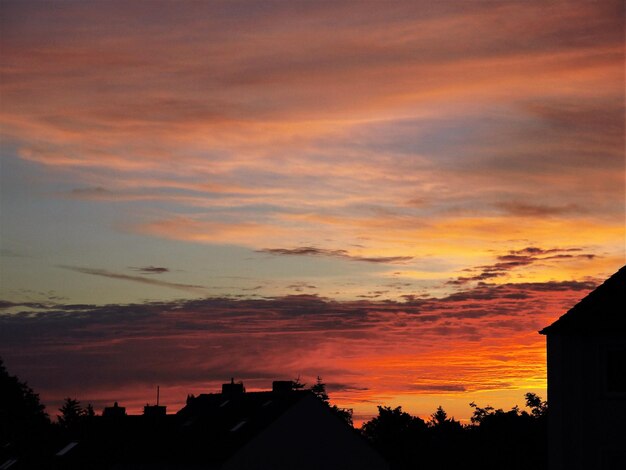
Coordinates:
[74,419]
[71,414]
[391,424]
[397,435]
[24,425]
[505,437]
[480,414]
[319,390]
[439,419]
[344,413]
[18,402]
[297,385]
[89,411]
[538,408]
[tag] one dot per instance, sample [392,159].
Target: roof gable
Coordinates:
[215,426]
[307,436]
[603,309]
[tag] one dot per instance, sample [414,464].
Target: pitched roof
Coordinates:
[604,309]
[220,424]
[207,431]
[221,430]
[307,436]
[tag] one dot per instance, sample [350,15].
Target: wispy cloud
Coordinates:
[97,192]
[437,388]
[349,122]
[144,280]
[313,251]
[150,269]
[5,304]
[520,258]
[301,286]
[525,209]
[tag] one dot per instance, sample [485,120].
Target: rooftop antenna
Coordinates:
[158,395]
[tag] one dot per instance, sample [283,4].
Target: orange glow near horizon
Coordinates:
[480,344]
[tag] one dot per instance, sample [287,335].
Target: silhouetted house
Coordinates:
[587,381]
[281,429]
[154,411]
[114,411]
[117,440]
[235,429]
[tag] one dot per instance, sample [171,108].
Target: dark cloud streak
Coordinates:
[144,280]
[524,209]
[516,259]
[151,269]
[344,254]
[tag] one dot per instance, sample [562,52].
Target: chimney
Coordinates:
[154,411]
[233,389]
[157,410]
[282,386]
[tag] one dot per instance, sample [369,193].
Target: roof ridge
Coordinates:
[606,303]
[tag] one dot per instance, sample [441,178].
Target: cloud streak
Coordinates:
[151,269]
[411,103]
[343,254]
[524,209]
[144,280]
[516,259]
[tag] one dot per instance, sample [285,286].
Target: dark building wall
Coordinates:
[587,421]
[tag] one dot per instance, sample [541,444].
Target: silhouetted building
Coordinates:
[281,429]
[235,429]
[587,381]
[114,411]
[154,410]
[233,389]
[282,386]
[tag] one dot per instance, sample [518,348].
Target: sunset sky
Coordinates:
[395,196]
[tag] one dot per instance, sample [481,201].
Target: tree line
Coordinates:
[495,438]
[513,439]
